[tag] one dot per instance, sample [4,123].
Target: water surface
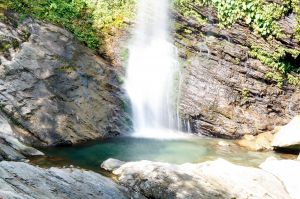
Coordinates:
[194,150]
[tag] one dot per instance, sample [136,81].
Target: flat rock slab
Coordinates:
[288,171]
[214,179]
[22,180]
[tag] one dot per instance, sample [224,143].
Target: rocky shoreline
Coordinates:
[276,179]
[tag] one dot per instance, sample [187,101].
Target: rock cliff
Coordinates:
[227,90]
[55,91]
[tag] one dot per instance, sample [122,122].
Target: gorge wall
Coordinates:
[227,90]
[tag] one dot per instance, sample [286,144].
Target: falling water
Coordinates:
[152,68]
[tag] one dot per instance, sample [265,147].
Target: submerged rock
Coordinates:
[214,179]
[288,171]
[21,180]
[54,90]
[289,136]
[111,164]
[261,142]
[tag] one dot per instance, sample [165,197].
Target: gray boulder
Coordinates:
[210,180]
[21,180]
[56,91]
[111,164]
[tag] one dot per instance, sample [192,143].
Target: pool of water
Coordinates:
[194,150]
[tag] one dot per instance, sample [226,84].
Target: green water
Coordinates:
[194,150]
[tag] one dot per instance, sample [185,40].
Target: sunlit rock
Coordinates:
[111,164]
[289,135]
[215,180]
[260,142]
[288,171]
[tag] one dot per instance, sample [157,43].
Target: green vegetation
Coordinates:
[296,9]
[260,15]
[278,61]
[188,9]
[67,68]
[74,15]
[90,21]
[245,93]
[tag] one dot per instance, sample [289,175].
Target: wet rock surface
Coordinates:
[21,180]
[225,92]
[55,91]
[261,142]
[214,179]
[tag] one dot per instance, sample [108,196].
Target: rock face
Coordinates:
[287,171]
[225,92]
[21,180]
[215,179]
[288,136]
[54,90]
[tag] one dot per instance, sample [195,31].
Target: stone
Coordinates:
[213,179]
[289,135]
[111,164]
[261,142]
[223,143]
[287,171]
[10,147]
[55,91]
[22,180]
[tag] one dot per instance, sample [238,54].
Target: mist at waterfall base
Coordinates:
[151,71]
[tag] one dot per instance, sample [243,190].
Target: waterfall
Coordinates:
[151,71]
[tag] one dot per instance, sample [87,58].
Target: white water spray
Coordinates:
[151,71]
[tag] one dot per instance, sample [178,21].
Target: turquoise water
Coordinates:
[195,150]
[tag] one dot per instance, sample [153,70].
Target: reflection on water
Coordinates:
[133,149]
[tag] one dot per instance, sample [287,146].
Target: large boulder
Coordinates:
[56,91]
[21,180]
[215,179]
[288,171]
[289,136]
